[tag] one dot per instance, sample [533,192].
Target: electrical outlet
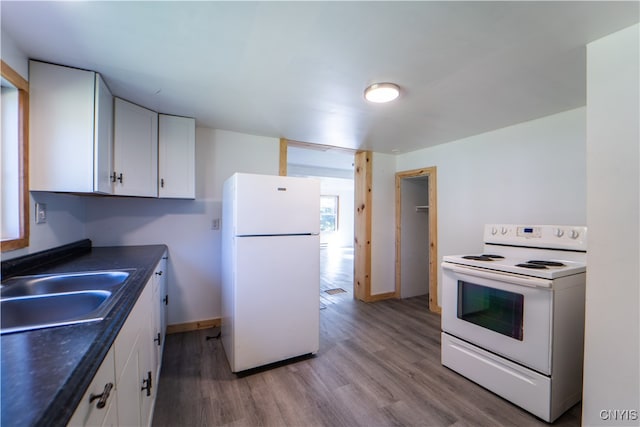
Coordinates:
[41,213]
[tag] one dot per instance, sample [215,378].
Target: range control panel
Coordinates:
[572,237]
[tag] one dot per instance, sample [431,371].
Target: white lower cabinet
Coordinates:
[160,303]
[132,365]
[99,405]
[134,374]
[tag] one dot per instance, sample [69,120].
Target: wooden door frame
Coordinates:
[363,175]
[431,174]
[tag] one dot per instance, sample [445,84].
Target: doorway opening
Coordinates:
[334,167]
[416,235]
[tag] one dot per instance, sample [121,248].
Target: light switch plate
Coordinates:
[41,213]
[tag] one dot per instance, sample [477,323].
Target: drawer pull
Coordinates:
[146,383]
[102,402]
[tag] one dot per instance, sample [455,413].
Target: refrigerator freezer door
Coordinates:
[268,204]
[277,287]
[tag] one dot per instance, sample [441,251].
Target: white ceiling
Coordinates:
[298,69]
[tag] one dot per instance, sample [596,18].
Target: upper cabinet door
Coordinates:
[135,150]
[63,140]
[103,135]
[176,157]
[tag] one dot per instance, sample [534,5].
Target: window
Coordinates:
[14,177]
[328,213]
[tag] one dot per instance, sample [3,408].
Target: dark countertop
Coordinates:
[44,373]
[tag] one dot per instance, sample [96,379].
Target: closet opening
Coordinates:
[416,235]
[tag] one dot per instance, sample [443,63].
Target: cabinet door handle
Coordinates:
[102,402]
[119,178]
[158,339]
[159,273]
[146,383]
[113,176]
[161,182]
[166,300]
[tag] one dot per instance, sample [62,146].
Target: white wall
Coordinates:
[65,213]
[531,173]
[13,56]
[383,239]
[186,225]
[65,223]
[612,335]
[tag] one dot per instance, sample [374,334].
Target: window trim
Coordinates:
[22,85]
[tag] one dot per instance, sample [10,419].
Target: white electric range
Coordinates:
[513,315]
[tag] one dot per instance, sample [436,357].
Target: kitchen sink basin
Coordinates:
[48,300]
[45,311]
[65,282]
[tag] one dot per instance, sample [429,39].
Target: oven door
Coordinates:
[503,313]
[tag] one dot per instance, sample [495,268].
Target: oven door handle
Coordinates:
[500,276]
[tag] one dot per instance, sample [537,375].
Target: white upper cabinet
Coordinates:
[70,130]
[85,140]
[135,150]
[176,157]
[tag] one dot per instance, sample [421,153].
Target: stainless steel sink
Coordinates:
[65,282]
[44,301]
[45,311]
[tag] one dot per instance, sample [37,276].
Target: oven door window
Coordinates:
[494,309]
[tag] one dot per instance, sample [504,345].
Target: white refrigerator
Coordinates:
[270,269]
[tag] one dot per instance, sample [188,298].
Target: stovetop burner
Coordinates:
[531,265]
[478,257]
[546,263]
[483,257]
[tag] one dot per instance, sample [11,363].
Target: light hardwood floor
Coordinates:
[336,272]
[378,365]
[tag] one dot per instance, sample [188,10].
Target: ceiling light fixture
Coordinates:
[382,92]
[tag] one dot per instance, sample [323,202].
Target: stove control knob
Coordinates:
[559,232]
[504,230]
[574,234]
[494,231]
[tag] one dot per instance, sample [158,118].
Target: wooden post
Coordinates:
[362,241]
[283,157]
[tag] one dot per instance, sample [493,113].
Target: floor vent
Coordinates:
[335,291]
